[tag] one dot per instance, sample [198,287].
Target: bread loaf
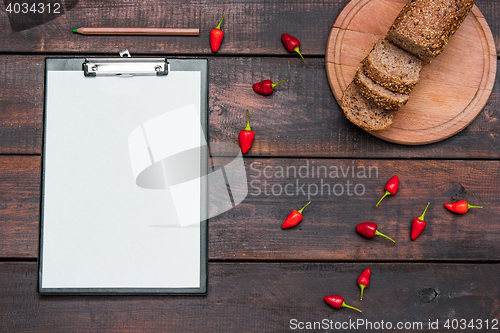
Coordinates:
[381,96]
[424,27]
[364,113]
[392,67]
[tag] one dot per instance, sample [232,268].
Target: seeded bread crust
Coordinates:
[363,112]
[381,96]
[392,67]
[424,27]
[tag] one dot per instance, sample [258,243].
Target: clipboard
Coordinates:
[123,204]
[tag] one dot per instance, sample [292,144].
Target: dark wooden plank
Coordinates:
[490,10]
[250,28]
[252,230]
[264,297]
[302,118]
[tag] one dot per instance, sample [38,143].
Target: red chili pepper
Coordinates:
[390,188]
[369,230]
[216,36]
[364,280]
[246,136]
[418,225]
[459,207]
[292,44]
[294,218]
[337,302]
[266,87]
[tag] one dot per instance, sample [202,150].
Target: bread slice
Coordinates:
[363,112]
[381,96]
[392,67]
[424,27]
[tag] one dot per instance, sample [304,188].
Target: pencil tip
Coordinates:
[75,30]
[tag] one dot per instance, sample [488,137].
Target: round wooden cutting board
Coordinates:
[453,88]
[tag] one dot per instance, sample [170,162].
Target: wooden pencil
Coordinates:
[138,31]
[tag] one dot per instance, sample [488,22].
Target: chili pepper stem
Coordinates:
[307,204]
[469,206]
[386,194]
[248,122]
[348,306]
[381,234]
[275,84]
[296,49]
[362,286]
[218,26]
[421,218]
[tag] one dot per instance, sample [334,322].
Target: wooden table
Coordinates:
[261,278]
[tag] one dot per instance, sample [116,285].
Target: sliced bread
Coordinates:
[392,67]
[364,113]
[423,27]
[381,96]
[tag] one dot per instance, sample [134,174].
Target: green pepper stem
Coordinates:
[381,234]
[386,194]
[469,206]
[421,218]
[218,26]
[362,286]
[248,122]
[275,84]
[348,306]
[307,204]
[296,49]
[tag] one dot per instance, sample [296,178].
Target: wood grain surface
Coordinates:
[453,88]
[301,118]
[262,297]
[245,24]
[327,232]
[252,230]
[20,204]
[138,31]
